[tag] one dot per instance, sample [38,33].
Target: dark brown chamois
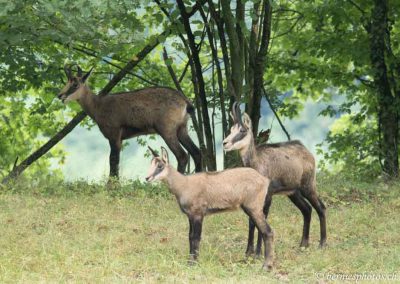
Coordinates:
[289,165]
[121,116]
[202,194]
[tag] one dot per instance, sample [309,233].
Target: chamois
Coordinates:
[289,164]
[125,115]
[202,194]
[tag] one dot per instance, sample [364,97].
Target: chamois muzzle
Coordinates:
[62,97]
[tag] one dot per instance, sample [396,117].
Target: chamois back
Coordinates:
[289,162]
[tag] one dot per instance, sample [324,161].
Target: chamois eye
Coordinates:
[160,166]
[242,130]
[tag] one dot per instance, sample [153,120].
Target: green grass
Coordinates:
[57,232]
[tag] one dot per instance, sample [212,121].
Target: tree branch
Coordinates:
[93,54]
[210,159]
[276,114]
[171,71]
[357,6]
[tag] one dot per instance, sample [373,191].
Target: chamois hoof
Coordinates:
[267,266]
[304,244]
[257,255]
[322,245]
[249,253]
[192,261]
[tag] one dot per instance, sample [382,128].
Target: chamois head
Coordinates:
[74,89]
[158,168]
[241,131]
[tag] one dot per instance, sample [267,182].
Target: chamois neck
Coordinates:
[89,102]
[249,155]
[177,182]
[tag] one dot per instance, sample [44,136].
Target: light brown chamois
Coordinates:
[121,116]
[202,194]
[289,165]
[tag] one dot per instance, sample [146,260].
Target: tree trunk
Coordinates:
[235,49]
[254,106]
[214,53]
[386,99]
[211,162]
[196,126]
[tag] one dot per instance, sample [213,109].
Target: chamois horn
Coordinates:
[236,113]
[154,153]
[67,70]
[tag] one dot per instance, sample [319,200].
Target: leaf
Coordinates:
[197,33]
[159,17]
[168,61]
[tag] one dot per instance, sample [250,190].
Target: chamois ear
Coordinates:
[247,121]
[86,76]
[164,155]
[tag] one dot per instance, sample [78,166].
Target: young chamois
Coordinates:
[202,194]
[288,164]
[121,116]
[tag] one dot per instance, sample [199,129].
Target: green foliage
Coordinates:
[321,50]
[352,148]
[53,185]
[318,50]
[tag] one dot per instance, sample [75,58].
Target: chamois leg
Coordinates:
[259,220]
[196,224]
[267,205]
[188,144]
[115,146]
[250,239]
[306,210]
[173,143]
[190,238]
[320,208]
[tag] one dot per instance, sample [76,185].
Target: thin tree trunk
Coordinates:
[214,54]
[386,100]
[259,68]
[177,84]
[252,55]
[199,119]
[211,162]
[234,48]
[225,55]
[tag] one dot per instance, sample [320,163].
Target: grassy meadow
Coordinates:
[52,231]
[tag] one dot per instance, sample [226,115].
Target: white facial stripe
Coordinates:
[66,88]
[236,139]
[72,90]
[155,172]
[235,129]
[152,169]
